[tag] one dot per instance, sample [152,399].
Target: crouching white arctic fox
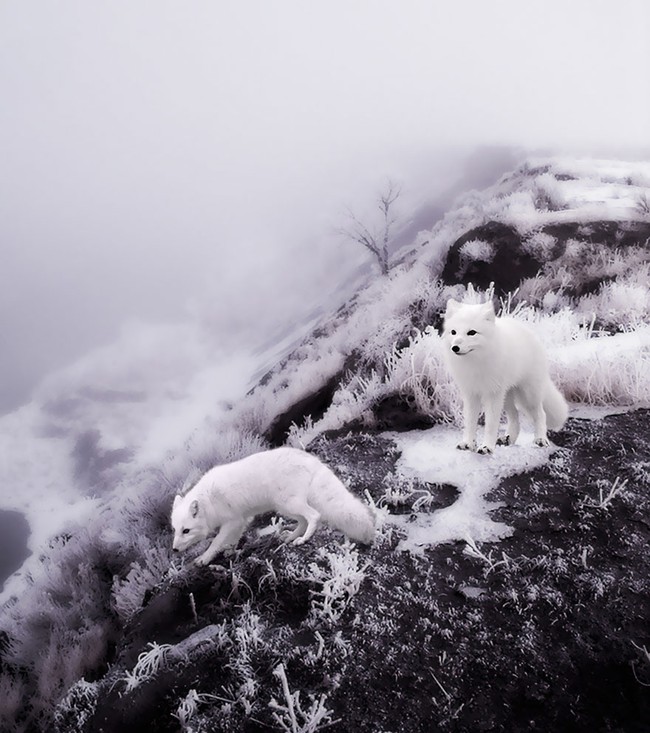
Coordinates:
[285,480]
[498,363]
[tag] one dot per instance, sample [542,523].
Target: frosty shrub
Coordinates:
[622,302]
[539,244]
[77,707]
[547,291]
[351,402]
[144,575]
[419,371]
[610,370]
[339,581]
[477,249]
[514,209]
[61,626]
[548,193]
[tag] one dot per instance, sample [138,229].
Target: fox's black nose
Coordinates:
[455,349]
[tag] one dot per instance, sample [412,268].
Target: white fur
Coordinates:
[498,363]
[285,480]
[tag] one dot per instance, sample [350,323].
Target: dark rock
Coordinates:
[313,405]
[399,413]
[509,265]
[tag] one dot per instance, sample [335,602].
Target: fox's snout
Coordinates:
[457,346]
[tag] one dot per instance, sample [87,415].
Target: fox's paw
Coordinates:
[542,442]
[464,445]
[203,560]
[504,441]
[299,540]
[484,451]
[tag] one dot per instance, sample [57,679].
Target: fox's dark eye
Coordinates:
[453,333]
[186,531]
[471,333]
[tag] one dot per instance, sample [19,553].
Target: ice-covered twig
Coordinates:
[473,550]
[605,498]
[147,666]
[188,706]
[291,717]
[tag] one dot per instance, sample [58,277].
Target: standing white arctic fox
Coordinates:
[285,480]
[498,363]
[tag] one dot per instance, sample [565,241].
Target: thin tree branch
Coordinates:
[359,232]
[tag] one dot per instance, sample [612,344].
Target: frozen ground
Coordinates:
[485,572]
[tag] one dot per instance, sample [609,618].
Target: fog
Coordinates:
[153,151]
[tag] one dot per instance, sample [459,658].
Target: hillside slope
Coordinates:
[503,593]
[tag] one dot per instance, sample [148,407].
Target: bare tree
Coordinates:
[376,241]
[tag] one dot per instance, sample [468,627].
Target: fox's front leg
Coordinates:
[493,410]
[539,419]
[471,411]
[228,535]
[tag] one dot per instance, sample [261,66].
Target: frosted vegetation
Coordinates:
[88,583]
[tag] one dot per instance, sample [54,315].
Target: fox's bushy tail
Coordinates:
[555,407]
[342,510]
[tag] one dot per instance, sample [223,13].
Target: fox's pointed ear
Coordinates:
[194,509]
[452,307]
[488,311]
[177,498]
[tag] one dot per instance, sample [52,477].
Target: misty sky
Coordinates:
[152,150]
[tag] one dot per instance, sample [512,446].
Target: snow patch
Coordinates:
[431,456]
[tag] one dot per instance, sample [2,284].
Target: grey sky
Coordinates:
[149,149]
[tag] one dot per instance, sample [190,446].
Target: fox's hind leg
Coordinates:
[539,420]
[297,532]
[535,408]
[512,428]
[307,517]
